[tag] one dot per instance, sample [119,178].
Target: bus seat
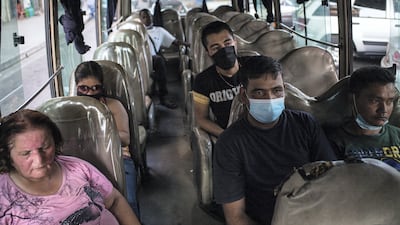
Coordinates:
[228,15]
[89,132]
[200,59]
[202,145]
[332,193]
[118,84]
[191,15]
[274,43]
[173,24]
[141,29]
[309,68]
[252,29]
[135,39]
[220,10]
[125,55]
[237,21]
[190,21]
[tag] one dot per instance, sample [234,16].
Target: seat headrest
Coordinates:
[333,193]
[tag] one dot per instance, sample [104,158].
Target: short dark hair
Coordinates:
[214,28]
[255,67]
[364,76]
[145,10]
[19,122]
[89,69]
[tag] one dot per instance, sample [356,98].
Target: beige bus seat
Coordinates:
[274,43]
[89,132]
[125,55]
[191,15]
[135,39]
[191,28]
[220,10]
[198,54]
[237,21]
[173,24]
[333,193]
[136,25]
[228,15]
[118,84]
[309,68]
[252,29]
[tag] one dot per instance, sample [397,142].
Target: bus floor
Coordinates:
[167,195]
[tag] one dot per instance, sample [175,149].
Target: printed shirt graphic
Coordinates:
[219,92]
[80,199]
[384,147]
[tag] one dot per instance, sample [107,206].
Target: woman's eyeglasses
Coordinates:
[85,88]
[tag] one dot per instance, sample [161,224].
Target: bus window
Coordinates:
[24,65]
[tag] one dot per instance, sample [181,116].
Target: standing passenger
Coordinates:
[89,82]
[257,152]
[158,37]
[368,134]
[217,85]
[40,186]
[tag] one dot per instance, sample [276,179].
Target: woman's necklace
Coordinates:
[226,82]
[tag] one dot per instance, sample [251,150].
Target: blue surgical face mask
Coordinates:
[362,123]
[266,110]
[365,125]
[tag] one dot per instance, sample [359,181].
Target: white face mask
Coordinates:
[266,110]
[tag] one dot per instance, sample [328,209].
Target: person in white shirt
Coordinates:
[157,37]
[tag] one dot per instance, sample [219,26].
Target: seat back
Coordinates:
[274,43]
[173,24]
[309,68]
[222,9]
[135,39]
[237,21]
[134,24]
[332,193]
[89,132]
[125,55]
[228,15]
[198,54]
[118,84]
[252,29]
[191,15]
[189,29]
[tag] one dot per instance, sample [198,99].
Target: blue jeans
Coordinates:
[130,177]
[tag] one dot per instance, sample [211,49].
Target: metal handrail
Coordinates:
[51,78]
[308,38]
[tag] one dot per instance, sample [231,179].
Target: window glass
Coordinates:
[373,4]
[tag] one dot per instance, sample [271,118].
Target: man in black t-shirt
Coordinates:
[257,152]
[216,86]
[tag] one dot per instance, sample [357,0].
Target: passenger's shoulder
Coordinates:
[392,128]
[297,114]
[235,129]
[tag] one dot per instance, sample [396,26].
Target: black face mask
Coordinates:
[96,96]
[225,58]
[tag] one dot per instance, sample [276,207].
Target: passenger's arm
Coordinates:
[121,119]
[120,208]
[179,42]
[203,121]
[235,213]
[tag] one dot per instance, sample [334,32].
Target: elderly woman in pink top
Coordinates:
[39,186]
